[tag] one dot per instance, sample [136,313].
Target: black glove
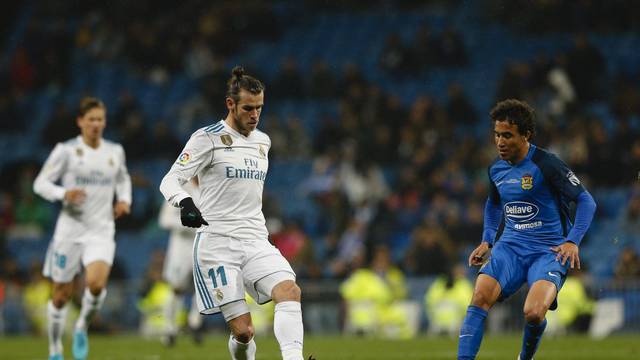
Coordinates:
[190,215]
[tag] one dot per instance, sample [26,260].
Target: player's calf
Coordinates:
[241,343]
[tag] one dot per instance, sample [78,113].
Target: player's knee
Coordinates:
[59,301]
[481,300]
[61,295]
[287,291]
[295,293]
[535,314]
[96,286]
[244,334]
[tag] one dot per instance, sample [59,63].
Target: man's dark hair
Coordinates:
[87,103]
[515,112]
[241,81]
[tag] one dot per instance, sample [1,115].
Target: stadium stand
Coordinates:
[432,162]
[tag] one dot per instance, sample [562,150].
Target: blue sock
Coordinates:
[531,339]
[471,333]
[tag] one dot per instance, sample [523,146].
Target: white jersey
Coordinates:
[231,170]
[101,173]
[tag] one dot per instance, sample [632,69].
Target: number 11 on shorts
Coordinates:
[213,273]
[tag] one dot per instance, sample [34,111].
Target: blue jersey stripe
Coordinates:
[202,288]
[204,293]
[216,125]
[195,272]
[214,128]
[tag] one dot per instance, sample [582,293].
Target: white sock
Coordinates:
[90,304]
[242,351]
[288,329]
[171,309]
[56,319]
[194,319]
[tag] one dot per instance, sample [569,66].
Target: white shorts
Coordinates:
[178,261]
[63,258]
[224,268]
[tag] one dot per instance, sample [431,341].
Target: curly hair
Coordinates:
[515,112]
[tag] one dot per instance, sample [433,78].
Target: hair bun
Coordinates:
[238,71]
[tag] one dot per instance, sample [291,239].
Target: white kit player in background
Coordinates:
[178,267]
[91,171]
[232,252]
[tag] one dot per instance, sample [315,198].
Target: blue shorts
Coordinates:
[511,269]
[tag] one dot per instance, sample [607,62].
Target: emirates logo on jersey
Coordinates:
[226,139]
[527,182]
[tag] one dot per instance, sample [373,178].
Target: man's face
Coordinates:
[246,112]
[92,124]
[512,145]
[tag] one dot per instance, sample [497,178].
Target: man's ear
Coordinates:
[528,135]
[230,103]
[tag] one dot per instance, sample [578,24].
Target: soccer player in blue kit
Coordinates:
[527,225]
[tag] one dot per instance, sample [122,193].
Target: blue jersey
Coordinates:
[534,197]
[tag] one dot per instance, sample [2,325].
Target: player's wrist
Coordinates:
[187,203]
[571,241]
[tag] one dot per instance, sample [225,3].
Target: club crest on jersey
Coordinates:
[111,163]
[226,139]
[79,151]
[527,182]
[184,158]
[262,152]
[219,295]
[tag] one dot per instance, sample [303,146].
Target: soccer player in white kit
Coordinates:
[178,266]
[91,171]
[231,252]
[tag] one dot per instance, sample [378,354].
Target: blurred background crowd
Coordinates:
[377,112]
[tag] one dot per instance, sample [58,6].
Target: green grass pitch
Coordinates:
[329,348]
